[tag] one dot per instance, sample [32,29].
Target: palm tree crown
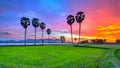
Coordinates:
[35,22]
[49,31]
[80,16]
[70,19]
[25,22]
[42,25]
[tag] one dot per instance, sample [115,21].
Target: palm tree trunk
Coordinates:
[48,38]
[42,38]
[25,37]
[35,36]
[71,35]
[79,32]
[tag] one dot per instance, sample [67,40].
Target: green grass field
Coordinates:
[56,57]
[118,54]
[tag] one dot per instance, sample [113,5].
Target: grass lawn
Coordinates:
[53,57]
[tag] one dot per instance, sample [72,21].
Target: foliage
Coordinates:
[35,22]
[25,22]
[42,25]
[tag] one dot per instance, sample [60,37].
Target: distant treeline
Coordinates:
[31,41]
[92,41]
[100,41]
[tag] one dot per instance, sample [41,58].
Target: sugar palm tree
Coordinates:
[70,21]
[49,32]
[25,23]
[35,24]
[42,26]
[79,18]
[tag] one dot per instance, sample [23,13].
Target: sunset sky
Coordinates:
[102,18]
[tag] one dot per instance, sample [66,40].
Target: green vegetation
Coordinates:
[55,56]
[117,55]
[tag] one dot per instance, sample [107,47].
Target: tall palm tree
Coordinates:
[42,26]
[79,18]
[49,32]
[35,24]
[25,23]
[70,21]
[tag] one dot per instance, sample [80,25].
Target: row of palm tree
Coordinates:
[70,20]
[25,22]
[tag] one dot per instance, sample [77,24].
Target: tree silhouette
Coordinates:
[98,41]
[70,21]
[25,23]
[62,39]
[35,24]
[42,26]
[84,42]
[118,41]
[79,18]
[49,32]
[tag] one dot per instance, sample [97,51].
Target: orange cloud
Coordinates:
[111,27]
[111,32]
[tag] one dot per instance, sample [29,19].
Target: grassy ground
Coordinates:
[117,55]
[54,57]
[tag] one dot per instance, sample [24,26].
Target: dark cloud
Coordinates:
[9,33]
[5,33]
[62,31]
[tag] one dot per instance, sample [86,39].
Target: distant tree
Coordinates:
[25,23]
[35,24]
[118,41]
[62,38]
[92,40]
[104,40]
[98,41]
[85,41]
[79,18]
[42,26]
[48,32]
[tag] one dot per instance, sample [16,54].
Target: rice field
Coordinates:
[56,56]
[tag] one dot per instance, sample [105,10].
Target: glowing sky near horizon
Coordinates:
[102,18]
